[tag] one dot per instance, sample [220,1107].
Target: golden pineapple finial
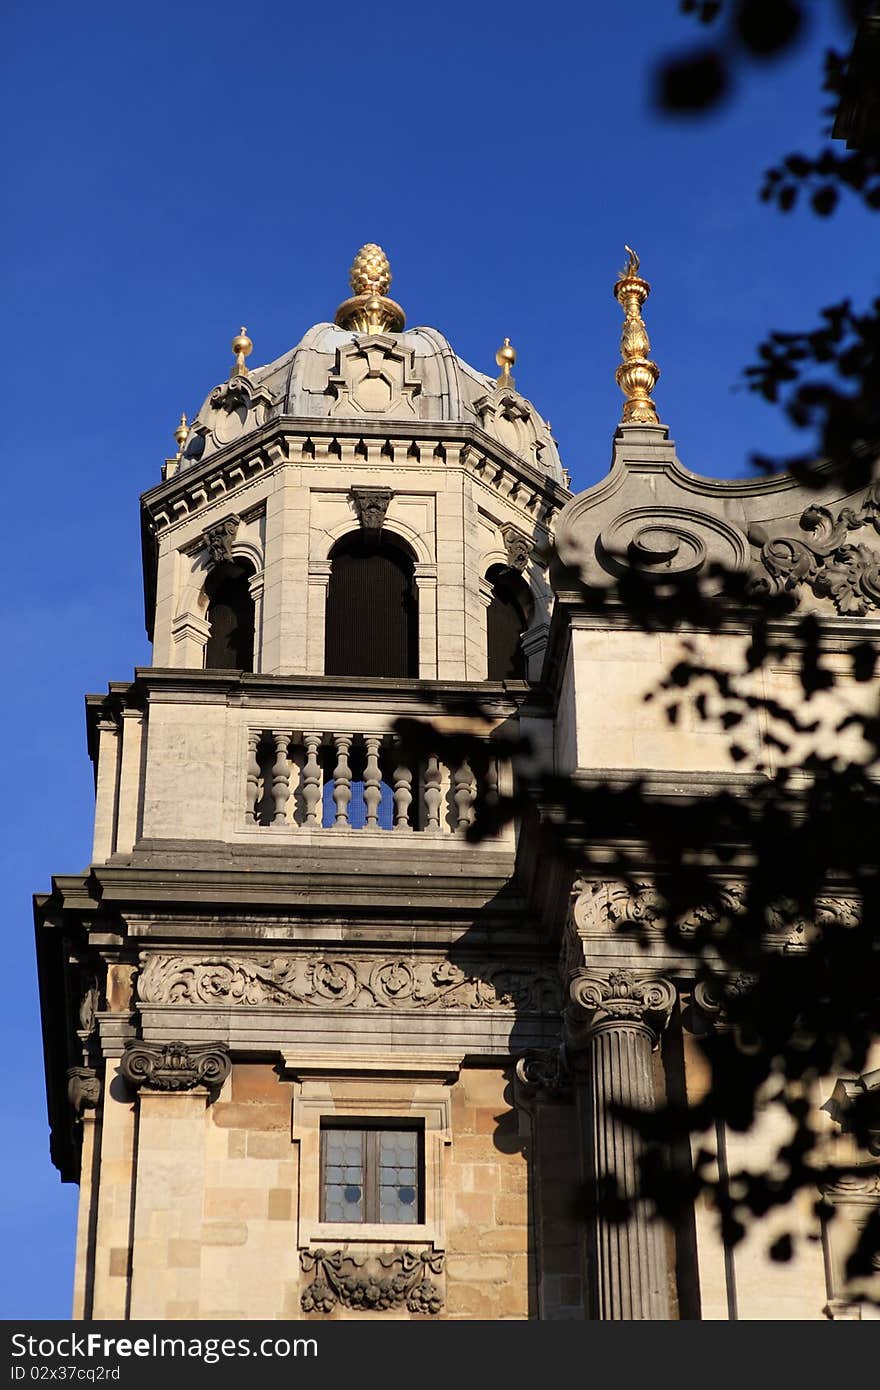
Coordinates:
[370,310]
[180,435]
[242,347]
[506,357]
[637,375]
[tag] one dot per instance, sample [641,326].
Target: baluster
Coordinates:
[280,775]
[432,794]
[464,794]
[253,773]
[311,779]
[401,780]
[492,779]
[372,781]
[341,780]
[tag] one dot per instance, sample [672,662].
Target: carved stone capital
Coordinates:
[544,1069]
[371,505]
[175,1066]
[618,999]
[219,538]
[712,1000]
[83,1088]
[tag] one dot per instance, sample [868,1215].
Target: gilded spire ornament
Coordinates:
[180,435]
[506,357]
[637,375]
[242,347]
[370,310]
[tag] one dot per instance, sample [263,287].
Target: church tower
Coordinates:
[310,1052]
[286,996]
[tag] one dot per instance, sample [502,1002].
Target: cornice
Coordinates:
[270,445]
[500,700]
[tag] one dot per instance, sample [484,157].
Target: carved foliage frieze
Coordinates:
[316,981]
[603,906]
[175,1066]
[823,558]
[401,1278]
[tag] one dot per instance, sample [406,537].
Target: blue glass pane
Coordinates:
[343,1175]
[398,1176]
[357,809]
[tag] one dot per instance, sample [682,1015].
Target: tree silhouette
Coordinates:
[772,890]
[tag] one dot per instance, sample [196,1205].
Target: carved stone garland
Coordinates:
[395,1280]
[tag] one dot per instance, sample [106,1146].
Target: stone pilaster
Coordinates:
[614,1022]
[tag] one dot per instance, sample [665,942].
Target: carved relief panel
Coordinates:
[374,376]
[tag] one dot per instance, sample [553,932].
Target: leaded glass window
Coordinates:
[371,1174]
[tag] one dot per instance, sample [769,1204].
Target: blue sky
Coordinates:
[180,169]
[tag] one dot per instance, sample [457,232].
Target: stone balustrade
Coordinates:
[353,781]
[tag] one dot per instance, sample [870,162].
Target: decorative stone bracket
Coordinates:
[371,505]
[175,1066]
[398,1279]
[518,547]
[218,539]
[546,1070]
[83,1089]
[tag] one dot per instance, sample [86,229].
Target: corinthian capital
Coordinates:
[616,999]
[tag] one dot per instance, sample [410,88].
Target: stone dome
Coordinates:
[337,373]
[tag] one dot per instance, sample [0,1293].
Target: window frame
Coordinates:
[349,1101]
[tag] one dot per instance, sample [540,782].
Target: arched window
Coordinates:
[231,616]
[509,614]
[372,613]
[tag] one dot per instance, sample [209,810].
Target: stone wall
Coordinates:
[210,1217]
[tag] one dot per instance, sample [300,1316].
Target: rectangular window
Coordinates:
[372,1174]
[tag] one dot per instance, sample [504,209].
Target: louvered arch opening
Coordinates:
[230,614]
[372,610]
[509,614]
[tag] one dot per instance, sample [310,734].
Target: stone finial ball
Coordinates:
[370,272]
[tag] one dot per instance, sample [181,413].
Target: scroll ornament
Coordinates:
[336,982]
[824,559]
